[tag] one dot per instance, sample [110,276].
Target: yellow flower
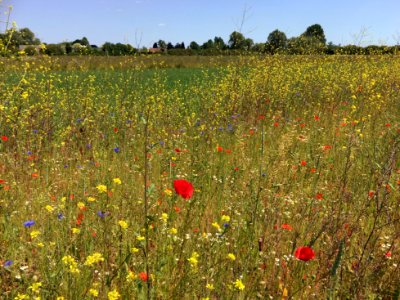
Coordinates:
[113,295]
[173,231]
[40,245]
[70,262]
[123,224]
[168,192]
[117,181]
[164,217]
[21,297]
[209,286]
[131,276]
[91,199]
[35,287]
[239,284]
[80,205]
[49,208]
[60,298]
[134,250]
[93,259]
[231,256]
[102,188]
[24,95]
[225,218]
[94,292]
[75,230]
[140,238]
[193,260]
[216,226]
[35,234]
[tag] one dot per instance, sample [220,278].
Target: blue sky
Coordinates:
[344,21]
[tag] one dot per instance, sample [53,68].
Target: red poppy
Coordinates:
[371,194]
[220,149]
[388,254]
[304,253]
[4,138]
[143,276]
[276,124]
[177,150]
[316,118]
[183,188]
[287,227]
[319,196]
[303,163]
[115,129]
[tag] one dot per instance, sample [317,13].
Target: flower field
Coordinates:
[243,178]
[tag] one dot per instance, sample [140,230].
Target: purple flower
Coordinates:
[7,263]
[116,150]
[29,223]
[101,214]
[60,216]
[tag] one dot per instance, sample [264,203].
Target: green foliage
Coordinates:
[276,42]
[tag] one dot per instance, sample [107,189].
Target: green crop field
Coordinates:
[271,177]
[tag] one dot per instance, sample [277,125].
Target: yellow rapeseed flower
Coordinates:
[117,181]
[101,188]
[231,256]
[238,284]
[113,295]
[123,224]
[94,259]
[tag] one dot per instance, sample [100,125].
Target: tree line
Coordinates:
[311,41]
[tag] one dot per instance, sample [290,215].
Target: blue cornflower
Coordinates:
[101,214]
[60,216]
[117,150]
[7,263]
[29,223]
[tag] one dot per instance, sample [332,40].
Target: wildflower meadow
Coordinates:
[248,177]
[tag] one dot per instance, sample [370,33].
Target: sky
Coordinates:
[143,22]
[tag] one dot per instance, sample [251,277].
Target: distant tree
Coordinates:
[14,38]
[315,31]
[85,42]
[236,41]
[30,50]
[179,46]
[259,47]
[162,44]
[170,46]
[208,45]
[276,41]
[248,44]
[55,49]
[68,48]
[219,43]
[155,45]
[193,45]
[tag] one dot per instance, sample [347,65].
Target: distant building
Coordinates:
[155,50]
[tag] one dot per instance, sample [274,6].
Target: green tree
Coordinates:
[194,46]
[276,41]
[236,41]
[219,43]
[315,32]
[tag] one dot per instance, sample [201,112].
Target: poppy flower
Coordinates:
[4,138]
[303,163]
[183,188]
[143,276]
[287,227]
[304,253]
